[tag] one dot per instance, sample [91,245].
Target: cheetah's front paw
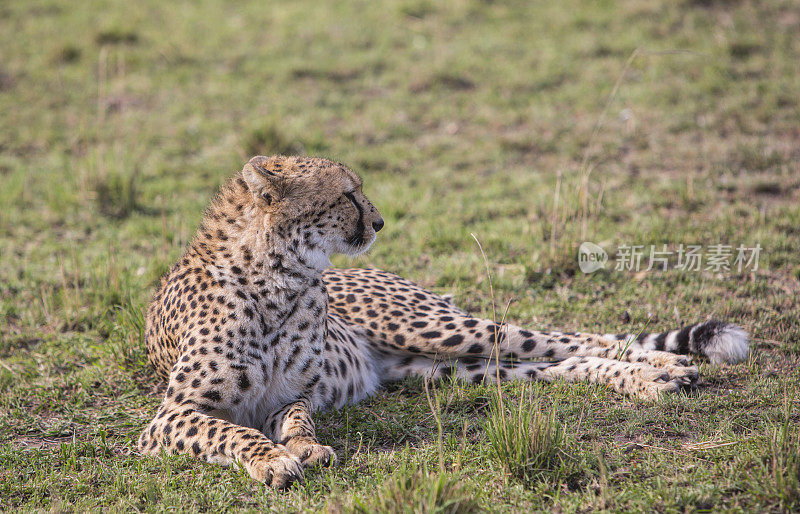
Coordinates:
[279,472]
[310,452]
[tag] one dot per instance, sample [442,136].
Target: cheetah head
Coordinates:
[315,203]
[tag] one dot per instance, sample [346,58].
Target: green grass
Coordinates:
[517,121]
[411,489]
[529,443]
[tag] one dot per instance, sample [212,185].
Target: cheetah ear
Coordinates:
[264,180]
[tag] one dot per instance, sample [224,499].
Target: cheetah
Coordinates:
[253,332]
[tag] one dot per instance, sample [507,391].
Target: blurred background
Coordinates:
[534,125]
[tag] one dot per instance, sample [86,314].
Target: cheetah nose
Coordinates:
[377,225]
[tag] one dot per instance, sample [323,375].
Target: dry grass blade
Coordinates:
[707,445]
[433,403]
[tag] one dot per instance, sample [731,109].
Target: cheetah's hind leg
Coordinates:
[634,379]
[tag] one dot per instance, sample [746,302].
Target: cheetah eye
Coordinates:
[267,198]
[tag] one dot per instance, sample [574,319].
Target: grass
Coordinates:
[528,442]
[781,464]
[527,124]
[415,490]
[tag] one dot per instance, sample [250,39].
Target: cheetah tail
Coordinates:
[717,340]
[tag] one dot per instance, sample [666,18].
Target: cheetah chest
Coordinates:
[278,363]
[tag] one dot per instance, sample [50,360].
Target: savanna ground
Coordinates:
[525,123]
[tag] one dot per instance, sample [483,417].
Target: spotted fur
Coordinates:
[253,334]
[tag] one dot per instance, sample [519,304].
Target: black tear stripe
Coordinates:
[358,236]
